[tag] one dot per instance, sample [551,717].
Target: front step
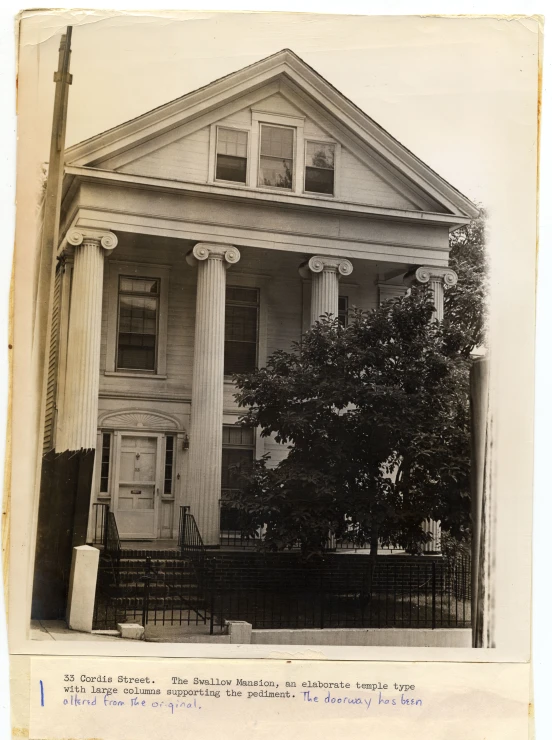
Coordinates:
[174,595]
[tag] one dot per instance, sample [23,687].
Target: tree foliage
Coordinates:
[375,416]
[466,302]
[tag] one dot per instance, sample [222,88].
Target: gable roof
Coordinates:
[286,66]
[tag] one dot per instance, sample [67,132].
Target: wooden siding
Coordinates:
[185,159]
[360,184]
[53,357]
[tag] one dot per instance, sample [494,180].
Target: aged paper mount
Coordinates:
[513,257]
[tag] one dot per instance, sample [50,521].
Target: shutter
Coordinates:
[53,362]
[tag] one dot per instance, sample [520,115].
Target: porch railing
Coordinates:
[190,542]
[100,513]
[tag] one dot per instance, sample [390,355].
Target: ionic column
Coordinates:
[77,428]
[325,273]
[437,277]
[205,453]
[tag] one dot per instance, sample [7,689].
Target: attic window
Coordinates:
[231,155]
[319,167]
[276,160]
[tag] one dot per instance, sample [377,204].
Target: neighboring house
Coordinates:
[197,239]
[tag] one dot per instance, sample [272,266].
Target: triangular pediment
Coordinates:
[176,142]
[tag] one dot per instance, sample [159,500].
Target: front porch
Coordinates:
[188,585]
[231,540]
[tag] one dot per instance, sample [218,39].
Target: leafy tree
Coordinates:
[376,419]
[466,302]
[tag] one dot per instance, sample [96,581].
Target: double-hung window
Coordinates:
[343,310]
[241,330]
[137,323]
[319,167]
[231,162]
[238,448]
[276,157]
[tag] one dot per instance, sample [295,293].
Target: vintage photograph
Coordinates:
[262,301]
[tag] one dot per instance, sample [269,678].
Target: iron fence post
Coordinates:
[433,594]
[106,519]
[322,600]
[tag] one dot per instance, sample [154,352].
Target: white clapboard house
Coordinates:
[197,239]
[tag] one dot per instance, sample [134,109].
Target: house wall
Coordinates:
[284,304]
[187,157]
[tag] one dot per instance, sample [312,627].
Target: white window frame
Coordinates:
[235,280]
[296,123]
[213,147]
[258,118]
[337,161]
[117,269]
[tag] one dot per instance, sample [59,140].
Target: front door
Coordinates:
[137,486]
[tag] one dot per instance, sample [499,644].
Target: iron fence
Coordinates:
[99,524]
[277,590]
[154,592]
[418,594]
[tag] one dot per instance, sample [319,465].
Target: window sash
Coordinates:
[241,334]
[276,157]
[231,155]
[343,310]
[137,324]
[320,172]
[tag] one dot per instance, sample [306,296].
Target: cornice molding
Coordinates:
[280,66]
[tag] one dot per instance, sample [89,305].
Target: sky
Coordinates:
[442,86]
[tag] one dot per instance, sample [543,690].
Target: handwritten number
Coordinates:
[41,694]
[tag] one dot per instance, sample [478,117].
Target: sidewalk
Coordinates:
[58,630]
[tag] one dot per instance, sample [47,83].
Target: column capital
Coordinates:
[318,264]
[202,251]
[105,239]
[424,274]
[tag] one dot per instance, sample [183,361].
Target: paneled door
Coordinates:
[137,485]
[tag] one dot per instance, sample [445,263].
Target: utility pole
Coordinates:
[43,294]
[52,199]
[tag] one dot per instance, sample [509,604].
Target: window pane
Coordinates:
[231,142]
[238,436]
[230,478]
[241,327]
[319,181]
[239,357]
[138,285]
[276,173]
[343,308]
[105,460]
[169,460]
[242,295]
[137,330]
[320,155]
[136,352]
[231,168]
[277,142]
[241,323]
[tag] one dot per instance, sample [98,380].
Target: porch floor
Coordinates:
[150,545]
